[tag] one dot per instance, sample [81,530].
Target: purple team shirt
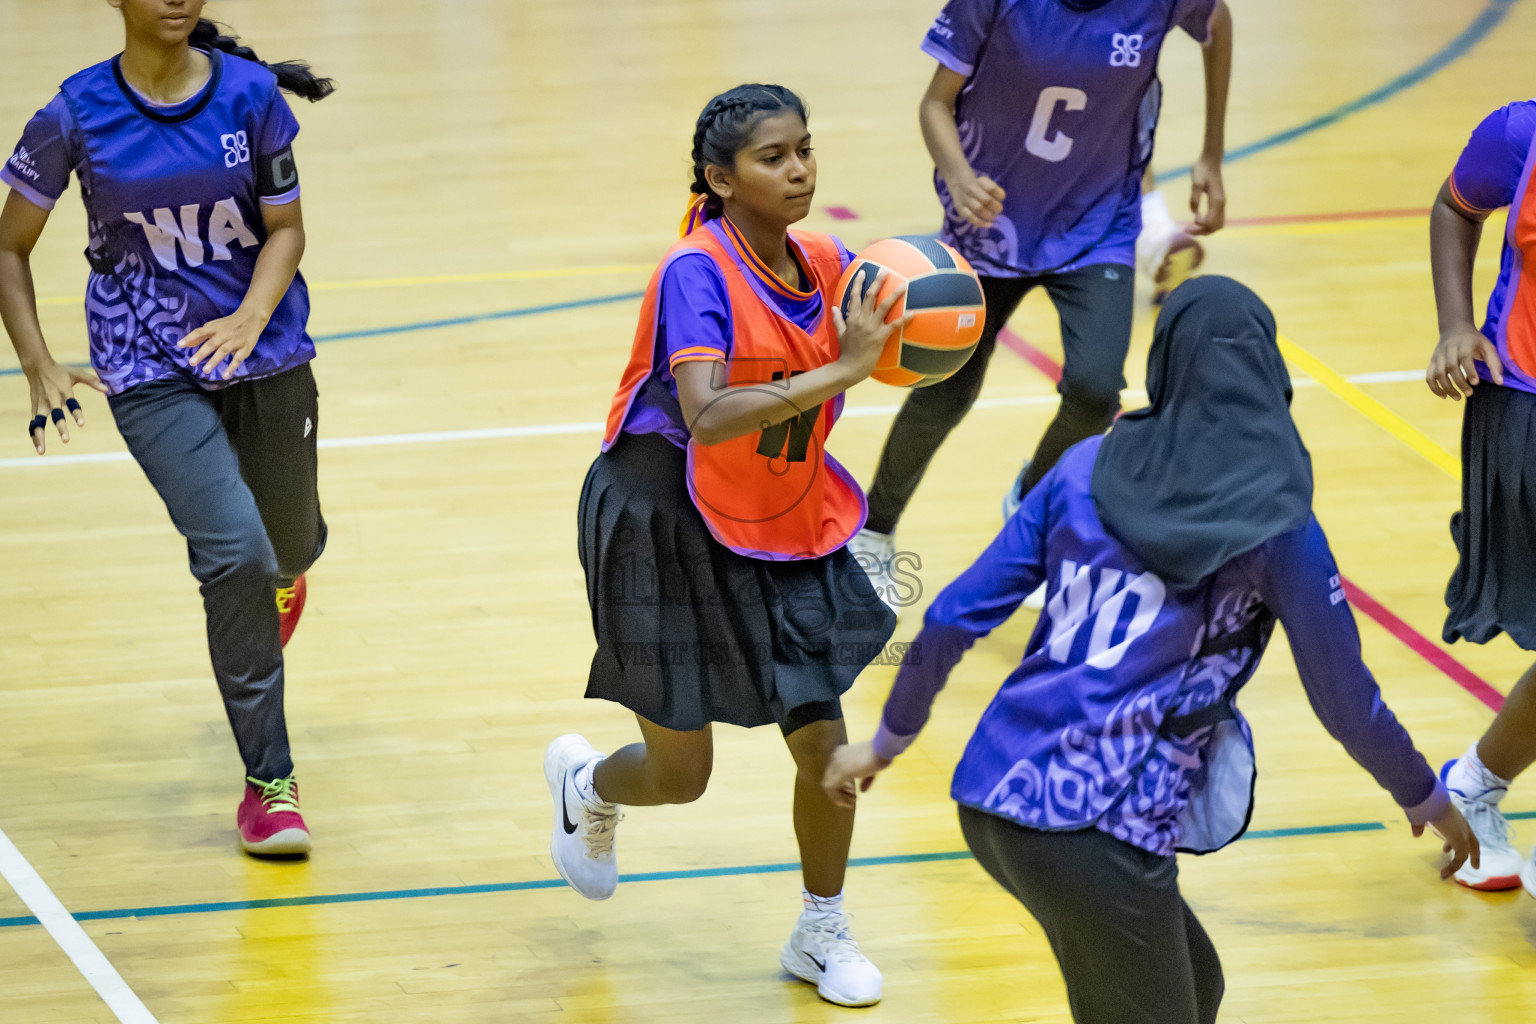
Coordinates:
[694,323]
[1075,738]
[1487,177]
[173,196]
[1059,108]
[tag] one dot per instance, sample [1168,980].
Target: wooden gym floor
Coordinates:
[485,194]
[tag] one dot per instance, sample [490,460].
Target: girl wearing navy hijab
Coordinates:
[1170,548]
[183,146]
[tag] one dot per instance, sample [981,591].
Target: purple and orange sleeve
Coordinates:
[1488,171]
[694,312]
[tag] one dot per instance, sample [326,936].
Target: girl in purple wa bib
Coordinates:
[1493,589]
[183,147]
[1040,120]
[1171,547]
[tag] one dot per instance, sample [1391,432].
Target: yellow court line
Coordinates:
[544,273]
[1373,410]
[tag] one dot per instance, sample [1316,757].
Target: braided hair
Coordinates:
[292,75]
[724,128]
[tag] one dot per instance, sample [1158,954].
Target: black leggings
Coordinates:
[1130,949]
[1095,304]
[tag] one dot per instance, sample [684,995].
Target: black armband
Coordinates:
[276,174]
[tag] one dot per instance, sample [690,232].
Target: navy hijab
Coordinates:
[1213,466]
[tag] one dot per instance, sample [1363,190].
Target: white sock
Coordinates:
[585,785]
[1155,215]
[1470,778]
[821,906]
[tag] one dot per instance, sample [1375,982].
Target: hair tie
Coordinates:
[694,217]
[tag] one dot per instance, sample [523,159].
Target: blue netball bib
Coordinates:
[174,200]
[1058,108]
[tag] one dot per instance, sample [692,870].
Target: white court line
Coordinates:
[66,931]
[1386,377]
[594,427]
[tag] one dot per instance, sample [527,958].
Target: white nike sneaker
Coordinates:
[821,950]
[1528,874]
[874,552]
[582,842]
[1500,865]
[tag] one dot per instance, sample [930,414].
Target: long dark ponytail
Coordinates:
[725,127]
[292,75]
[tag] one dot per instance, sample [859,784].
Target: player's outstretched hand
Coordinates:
[1460,843]
[863,334]
[1205,182]
[53,391]
[978,199]
[852,771]
[1453,368]
[232,337]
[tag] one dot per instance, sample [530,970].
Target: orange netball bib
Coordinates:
[775,493]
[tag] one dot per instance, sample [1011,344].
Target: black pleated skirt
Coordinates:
[688,631]
[1493,589]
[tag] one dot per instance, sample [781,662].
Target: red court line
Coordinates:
[1423,646]
[1321,218]
[1377,612]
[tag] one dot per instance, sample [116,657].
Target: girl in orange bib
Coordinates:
[713,523]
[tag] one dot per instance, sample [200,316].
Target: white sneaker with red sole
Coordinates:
[1499,864]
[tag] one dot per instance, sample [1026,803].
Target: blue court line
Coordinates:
[783,867]
[431,325]
[458,321]
[1486,21]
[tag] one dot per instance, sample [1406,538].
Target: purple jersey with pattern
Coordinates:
[694,323]
[1108,721]
[173,196]
[1058,108]
[1489,175]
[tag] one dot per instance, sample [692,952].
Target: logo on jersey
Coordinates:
[1125,50]
[1077,602]
[166,233]
[21,162]
[237,149]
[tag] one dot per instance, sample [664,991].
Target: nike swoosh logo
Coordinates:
[565,808]
[819,965]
